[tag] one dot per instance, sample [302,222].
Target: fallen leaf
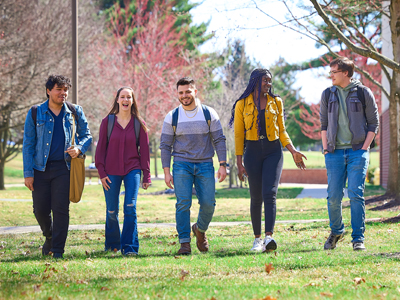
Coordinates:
[311,284]
[36,287]
[177,257]
[269,268]
[326,294]
[269,298]
[65,267]
[171,244]
[50,298]
[87,252]
[14,272]
[23,293]
[104,288]
[115,250]
[184,273]
[358,280]
[47,264]
[81,282]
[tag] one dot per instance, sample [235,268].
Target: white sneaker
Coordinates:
[269,244]
[257,245]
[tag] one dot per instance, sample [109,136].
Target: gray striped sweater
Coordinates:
[192,142]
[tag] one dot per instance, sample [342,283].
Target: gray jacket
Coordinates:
[359,125]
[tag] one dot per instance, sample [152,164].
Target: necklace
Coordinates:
[194,110]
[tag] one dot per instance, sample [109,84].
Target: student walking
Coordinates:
[122,154]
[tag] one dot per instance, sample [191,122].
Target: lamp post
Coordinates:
[74,4]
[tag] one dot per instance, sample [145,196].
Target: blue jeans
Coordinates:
[128,241]
[341,165]
[186,174]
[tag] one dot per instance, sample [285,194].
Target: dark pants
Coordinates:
[263,161]
[51,194]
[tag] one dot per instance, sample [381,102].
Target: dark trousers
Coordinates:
[51,194]
[263,161]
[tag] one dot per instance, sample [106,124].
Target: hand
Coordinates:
[145,185]
[241,172]
[221,174]
[104,183]
[298,159]
[169,180]
[73,152]
[29,183]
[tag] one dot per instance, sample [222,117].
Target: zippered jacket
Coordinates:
[359,122]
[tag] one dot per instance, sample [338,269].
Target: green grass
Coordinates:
[231,205]
[302,270]
[14,173]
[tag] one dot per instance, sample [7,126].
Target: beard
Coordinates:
[187,101]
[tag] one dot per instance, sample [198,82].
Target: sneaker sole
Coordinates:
[270,247]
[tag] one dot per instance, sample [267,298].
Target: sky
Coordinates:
[231,19]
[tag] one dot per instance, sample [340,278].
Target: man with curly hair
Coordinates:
[47,154]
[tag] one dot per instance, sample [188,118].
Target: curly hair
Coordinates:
[134,109]
[253,85]
[60,80]
[185,81]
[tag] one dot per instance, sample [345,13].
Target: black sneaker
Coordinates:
[359,246]
[46,246]
[332,240]
[58,255]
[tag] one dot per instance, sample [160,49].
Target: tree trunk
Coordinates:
[155,158]
[2,187]
[394,156]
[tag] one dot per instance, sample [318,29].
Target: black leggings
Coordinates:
[263,161]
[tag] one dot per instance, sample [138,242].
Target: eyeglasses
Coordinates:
[334,72]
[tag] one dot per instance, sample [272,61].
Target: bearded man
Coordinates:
[190,134]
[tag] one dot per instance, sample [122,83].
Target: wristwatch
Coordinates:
[325,150]
[223,164]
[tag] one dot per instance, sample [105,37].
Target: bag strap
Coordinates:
[207,115]
[137,132]
[34,113]
[175,115]
[73,131]
[327,94]
[110,126]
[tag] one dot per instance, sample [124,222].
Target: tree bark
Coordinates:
[394,156]
[2,187]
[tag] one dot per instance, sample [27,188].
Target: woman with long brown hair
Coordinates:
[118,159]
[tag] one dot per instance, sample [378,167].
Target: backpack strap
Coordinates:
[110,126]
[137,126]
[207,115]
[34,113]
[175,115]
[327,94]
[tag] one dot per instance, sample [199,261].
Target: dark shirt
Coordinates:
[262,123]
[58,138]
[121,155]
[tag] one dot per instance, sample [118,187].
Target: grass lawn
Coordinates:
[299,269]
[14,171]
[232,205]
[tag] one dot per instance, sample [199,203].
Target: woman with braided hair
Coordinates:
[258,118]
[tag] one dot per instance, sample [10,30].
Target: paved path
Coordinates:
[27,229]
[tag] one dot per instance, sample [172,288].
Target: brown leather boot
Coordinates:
[185,249]
[202,243]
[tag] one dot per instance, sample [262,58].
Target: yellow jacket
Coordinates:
[246,122]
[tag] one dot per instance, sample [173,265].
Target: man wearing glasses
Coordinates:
[349,123]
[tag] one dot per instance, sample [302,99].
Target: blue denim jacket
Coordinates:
[37,138]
